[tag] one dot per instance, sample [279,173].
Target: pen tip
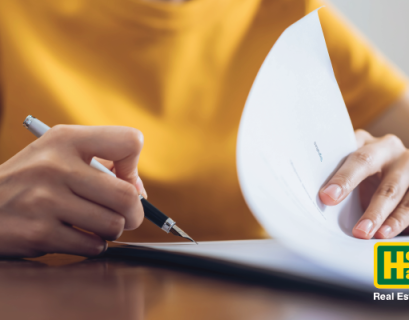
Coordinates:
[179,232]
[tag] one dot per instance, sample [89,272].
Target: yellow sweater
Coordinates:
[179,73]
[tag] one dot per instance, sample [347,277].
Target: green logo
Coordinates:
[391,262]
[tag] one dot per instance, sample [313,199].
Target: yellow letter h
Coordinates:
[399,265]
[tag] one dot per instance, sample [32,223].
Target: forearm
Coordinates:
[395,121]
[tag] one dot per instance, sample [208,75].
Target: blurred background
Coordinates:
[384,22]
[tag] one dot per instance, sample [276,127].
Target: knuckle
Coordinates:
[363,158]
[135,137]
[363,133]
[38,234]
[391,139]
[40,198]
[388,190]
[58,131]
[48,166]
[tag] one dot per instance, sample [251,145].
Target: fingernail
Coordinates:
[365,226]
[385,231]
[141,189]
[334,191]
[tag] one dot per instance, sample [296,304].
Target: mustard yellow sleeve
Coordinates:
[368,82]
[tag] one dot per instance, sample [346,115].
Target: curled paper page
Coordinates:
[294,133]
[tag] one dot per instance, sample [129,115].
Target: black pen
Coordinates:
[153,214]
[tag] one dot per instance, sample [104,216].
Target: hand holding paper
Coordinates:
[381,169]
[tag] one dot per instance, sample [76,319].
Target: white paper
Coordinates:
[266,255]
[294,133]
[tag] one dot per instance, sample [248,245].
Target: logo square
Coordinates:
[391,265]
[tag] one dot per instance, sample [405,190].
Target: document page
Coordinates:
[266,256]
[294,133]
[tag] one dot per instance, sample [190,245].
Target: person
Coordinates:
[178,73]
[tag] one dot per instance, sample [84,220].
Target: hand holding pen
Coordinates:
[48,189]
[153,214]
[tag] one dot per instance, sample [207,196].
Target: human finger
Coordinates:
[363,137]
[139,184]
[397,222]
[41,237]
[122,145]
[106,163]
[67,239]
[386,198]
[89,216]
[359,165]
[101,188]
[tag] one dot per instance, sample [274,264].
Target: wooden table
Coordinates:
[69,287]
